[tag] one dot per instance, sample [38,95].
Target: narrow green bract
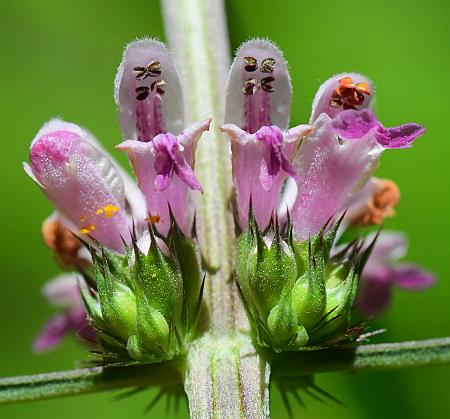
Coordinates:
[295,295]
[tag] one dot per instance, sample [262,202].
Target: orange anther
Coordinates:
[346,83]
[153,219]
[363,88]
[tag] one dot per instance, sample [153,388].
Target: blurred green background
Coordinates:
[58,58]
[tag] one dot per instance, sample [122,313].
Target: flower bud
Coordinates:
[117,301]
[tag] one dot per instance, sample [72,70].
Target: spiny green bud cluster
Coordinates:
[294,294]
[146,307]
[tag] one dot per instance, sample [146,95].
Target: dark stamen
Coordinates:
[249,87]
[154,68]
[142,73]
[142,92]
[267,65]
[159,85]
[250,64]
[266,84]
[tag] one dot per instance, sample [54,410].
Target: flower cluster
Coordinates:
[135,248]
[291,184]
[140,261]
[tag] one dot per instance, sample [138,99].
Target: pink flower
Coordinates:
[257,117]
[149,96]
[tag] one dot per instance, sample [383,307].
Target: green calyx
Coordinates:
[295,295]
[146,307]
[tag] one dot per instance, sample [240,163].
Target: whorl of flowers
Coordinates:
[138,295]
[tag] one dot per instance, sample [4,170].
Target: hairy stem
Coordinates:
[197,35]
[87,380]
[424,353]
[222,378]
[384,356]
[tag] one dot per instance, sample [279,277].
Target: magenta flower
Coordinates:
[381,274]
[257,118]
[63,292]
[149,96]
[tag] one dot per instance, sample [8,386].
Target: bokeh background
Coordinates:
[59,57]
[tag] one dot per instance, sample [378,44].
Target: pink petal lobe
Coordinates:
[165,176]
[399,137]
[260,166]
[412,277]
[63,291]
[352,125]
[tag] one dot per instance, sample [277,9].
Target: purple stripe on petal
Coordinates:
[156,162]
[148,91]
[412,277]
[399,137]
[353,125]
[260,166]
[259,89]
[185,173]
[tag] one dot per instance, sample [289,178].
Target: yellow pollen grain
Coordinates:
[153,275]
[109,210]
[87,229]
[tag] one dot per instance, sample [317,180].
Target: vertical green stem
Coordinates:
[224,377]
[197,35]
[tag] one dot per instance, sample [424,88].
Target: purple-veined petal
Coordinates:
[412,277]
[399,137]
[261,163]
[353,125]
[169,160]
[353,97]
[148,91]
[259,88]
[82,183]
[163,168]
[274,160]
[329,170]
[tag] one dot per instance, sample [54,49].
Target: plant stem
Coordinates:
[425,353]
[86,380]
[197,35]
[384,356]
[225,377]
